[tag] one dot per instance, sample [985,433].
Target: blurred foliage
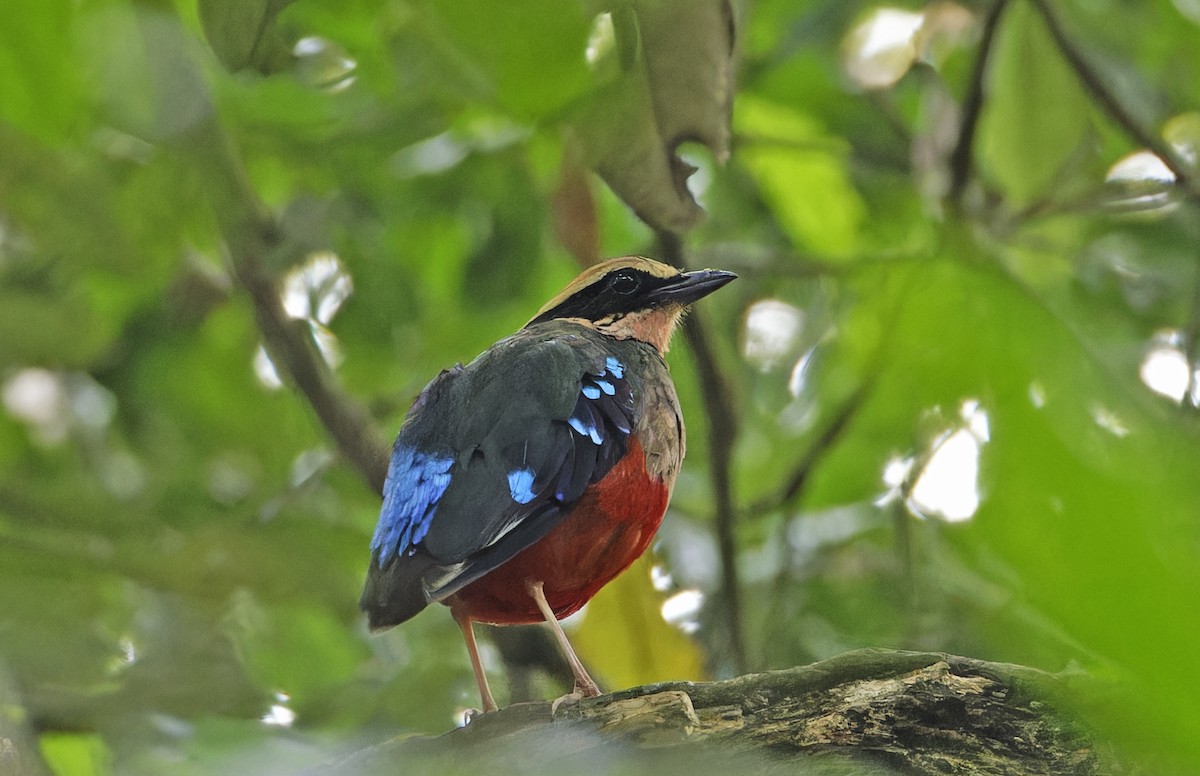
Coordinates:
[1013,369]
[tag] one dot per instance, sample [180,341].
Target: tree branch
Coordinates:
[722,434]
[961,156]
[290,344]
[870,711]
[251,235]
[796,481]
[1094,83]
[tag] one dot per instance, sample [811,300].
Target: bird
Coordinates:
[523,482]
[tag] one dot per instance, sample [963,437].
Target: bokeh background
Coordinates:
[949,405]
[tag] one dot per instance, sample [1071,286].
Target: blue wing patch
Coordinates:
[596,436]
[520,485]
[415,482]
[601,421]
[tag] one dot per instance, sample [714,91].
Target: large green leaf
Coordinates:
[1036,115]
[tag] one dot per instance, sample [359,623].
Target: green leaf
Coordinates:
[242,32]
[39,78]
[1036,114]
[528,55]
[802,175]
[76,754]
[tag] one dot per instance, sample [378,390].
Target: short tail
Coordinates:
[394,593]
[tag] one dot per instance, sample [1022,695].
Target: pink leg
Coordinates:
[485,693]
[584,685]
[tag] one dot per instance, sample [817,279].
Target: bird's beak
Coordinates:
[688,287]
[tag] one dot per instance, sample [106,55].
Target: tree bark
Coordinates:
[869,711]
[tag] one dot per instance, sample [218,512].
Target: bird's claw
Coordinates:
[590,690]
[571,698]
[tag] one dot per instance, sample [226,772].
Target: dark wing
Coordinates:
[489,460]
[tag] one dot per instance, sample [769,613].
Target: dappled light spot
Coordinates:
[601,39]
[799,376]
[126,656]
[1141,182]
[310,463]
[428,157]
[771,330]
[1108,420]
[1037,395]
[327,345]
[1165,368]
[280,715]
[811,533]
[37,397]
[695,560]
[122,474]
[91,404]
[701,164]
[895,476]
[314,292]
[881,48]
[947,483]
[53,403]
[1183,133]
[323,64]
[231,477]
[265,371]
[976,420]
[128,650]
[316,289]
[660,578]
[682,610]
[57,405]
[444,151]
[117,145]
[1189,8]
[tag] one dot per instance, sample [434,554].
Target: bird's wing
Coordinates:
[491,457]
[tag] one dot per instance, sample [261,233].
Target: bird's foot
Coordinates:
[581,691]
[587,688]
[470,715]
[570,699]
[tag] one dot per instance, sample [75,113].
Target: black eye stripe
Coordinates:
[618,293]
[624,283]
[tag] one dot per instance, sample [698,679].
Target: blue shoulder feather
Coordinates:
[415,482]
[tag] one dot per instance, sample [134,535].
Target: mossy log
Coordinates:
[868,711]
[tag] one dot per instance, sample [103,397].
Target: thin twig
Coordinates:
[794,485]
[251,234]
[1094,82]
[290,344]
[722,433]
[972,107]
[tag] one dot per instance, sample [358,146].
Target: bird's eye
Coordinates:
[624,283]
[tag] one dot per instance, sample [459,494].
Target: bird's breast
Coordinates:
[609,528]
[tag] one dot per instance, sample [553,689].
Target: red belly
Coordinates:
[608,529]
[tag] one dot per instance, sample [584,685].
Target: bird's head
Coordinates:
[632,298]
